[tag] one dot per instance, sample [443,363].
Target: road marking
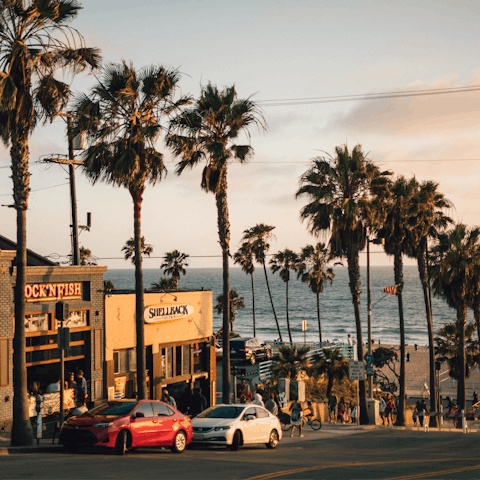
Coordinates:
[358,464]
[431,474]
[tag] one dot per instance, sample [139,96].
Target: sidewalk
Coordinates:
[45,445]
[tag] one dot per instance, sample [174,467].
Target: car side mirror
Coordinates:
[249,417]
[139,415]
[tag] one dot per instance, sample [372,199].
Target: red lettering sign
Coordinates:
[53,291]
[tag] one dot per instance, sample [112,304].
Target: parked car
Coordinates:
[249,349]
[127,424]
[236,425]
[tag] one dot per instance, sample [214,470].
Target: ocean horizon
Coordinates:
[336,308]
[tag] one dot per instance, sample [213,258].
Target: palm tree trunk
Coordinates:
[139,302]
[253,305]
[224,236]
[461,321]
[354,283]
[318,316]
[423,273]
[398,268]
[288,319]
[271,301]
[476,315]
[22,434]
[331,377]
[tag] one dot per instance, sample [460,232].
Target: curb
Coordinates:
[29,450]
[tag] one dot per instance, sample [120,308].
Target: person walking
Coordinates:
[296,416]
[332,408]
[271,405]
[381,409]
[389,409]
[257,399]
[199,402]
[168,399]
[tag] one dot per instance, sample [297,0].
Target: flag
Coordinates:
[392,290]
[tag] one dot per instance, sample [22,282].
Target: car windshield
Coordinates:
[116,409]
[222,412]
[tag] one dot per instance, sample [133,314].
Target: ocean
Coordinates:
[336,308]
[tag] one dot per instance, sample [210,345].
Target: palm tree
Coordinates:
[258,237]
[244,257]
[165,284]
[108,286]
[129,249]
[86,257]
[312,269]
[457,255]
[447,349]
[396,231]
[476,299]
[122,120]
[429,206]
[290,361]
[283,262]
[340,191]
[331,364]
[36,41]
[235,303]
[174,264]
[208,132]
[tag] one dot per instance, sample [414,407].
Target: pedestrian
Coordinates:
[257,400]
[260,390]
[388,409]
[81,408]
[240,388]
[342,411]
[475,400]
[353,415]
[271,405]
[168,399]
[82,389]
[246,396]
[296,416]
[53,387]
[332,408]
[421,411]
[71,380]
[199,402]
[381,409]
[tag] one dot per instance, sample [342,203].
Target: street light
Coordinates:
[376,241]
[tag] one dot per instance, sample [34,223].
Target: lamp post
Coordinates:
[376,241]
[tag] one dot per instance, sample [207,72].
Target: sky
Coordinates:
[272,50]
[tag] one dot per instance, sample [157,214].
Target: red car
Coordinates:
[127,424]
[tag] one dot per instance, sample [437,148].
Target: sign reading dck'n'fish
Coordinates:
[162,312]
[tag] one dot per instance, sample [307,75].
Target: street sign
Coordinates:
[304,325]
[356,370]
[369,370]
[369,358]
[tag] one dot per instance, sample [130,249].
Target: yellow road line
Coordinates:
[431,474]
[267,476]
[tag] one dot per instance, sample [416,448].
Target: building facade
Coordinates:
[180,353]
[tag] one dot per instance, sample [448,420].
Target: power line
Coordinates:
[366,96]
[38,189]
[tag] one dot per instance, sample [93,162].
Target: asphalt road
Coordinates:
[330,453]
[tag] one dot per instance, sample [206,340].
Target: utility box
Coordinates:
[297,389]
[373,411]
[284,387]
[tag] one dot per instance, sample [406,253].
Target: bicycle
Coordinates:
[314,423]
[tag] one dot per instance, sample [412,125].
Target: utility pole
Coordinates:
[71,162]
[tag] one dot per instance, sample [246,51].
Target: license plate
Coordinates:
[197,436]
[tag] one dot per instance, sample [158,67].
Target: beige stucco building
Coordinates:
[180,353]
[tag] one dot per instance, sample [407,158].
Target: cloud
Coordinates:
[414,116]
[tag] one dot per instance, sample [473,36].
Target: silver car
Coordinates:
[236,425]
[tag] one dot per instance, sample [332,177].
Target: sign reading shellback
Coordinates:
[163,312]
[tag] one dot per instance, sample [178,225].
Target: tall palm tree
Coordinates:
[340,192]
[235,303]
[429,209]
[86,257]
[208,132]
[457,255]
[258,237]
[331,364]
[36,41]
[447,349]
[165,284]
[174,264]
[244,257]
[283,262]
[129,249]
[121,118]
[476,299]
[396,230]
[290,361]
[312,269]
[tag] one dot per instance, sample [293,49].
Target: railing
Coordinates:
[265,370]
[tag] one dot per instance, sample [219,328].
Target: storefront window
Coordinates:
[124,361]
[200,357]
[186,349]
[169,362]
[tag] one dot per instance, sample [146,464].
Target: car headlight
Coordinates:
[217,429]
[103,425]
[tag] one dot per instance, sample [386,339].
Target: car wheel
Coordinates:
[71,448]
[179,443]
[273,440]
[121,443]
[236,441]
[252,359]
